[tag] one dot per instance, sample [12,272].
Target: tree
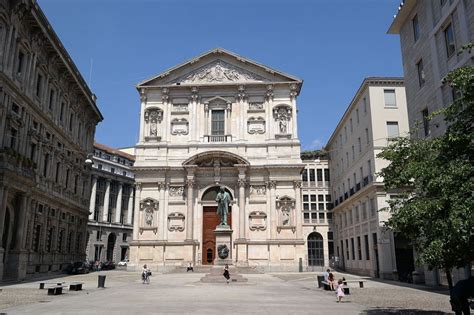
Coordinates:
[434,179]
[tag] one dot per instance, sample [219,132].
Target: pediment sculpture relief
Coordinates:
[219,72]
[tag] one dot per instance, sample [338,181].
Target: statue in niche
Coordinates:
[223,201]
[283,125]
[153,117]
[286,218]
[153,131]
[149,216]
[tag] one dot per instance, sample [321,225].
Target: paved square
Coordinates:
[184,293]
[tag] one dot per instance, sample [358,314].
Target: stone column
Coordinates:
[93,197]
[20,230]
[3,209]
[241,183]
[130,206]
[189,202]
[298,208]
[273,214]
[136,217]
[105,211]
[118,208]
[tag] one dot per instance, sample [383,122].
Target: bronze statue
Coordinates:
[223,200]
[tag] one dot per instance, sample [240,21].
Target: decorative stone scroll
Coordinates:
[256,125]
[258,190]
[176,222]
[176,191]
[285,207]
[257,221]
[148,208]
[179,126]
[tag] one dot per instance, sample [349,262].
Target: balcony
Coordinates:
[346,195]
[357,186]
[352,191]
[218,138]
[340,199]
[365,181]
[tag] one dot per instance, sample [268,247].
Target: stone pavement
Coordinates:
[278,293]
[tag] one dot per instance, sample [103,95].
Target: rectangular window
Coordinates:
[326,175]
[312,175]
[304,175]
[21,58]
[124,237]
[351,125]
[359,142]
[426,122]
[367,135]
[61,112]
[357,116]
[51,100]
[359,247]
[392,129]
[33,152]
[71,121]
[67,177]
[389,96]
[98,236]
[39,83]
[347,249]
[13,136]
[353,249]
[45,165]
[367,249]
[319,173]
[217,123]
[421,73]
[416,28]
[449,39]
[58,169]
[365,105]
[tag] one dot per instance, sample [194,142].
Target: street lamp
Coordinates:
[88,160]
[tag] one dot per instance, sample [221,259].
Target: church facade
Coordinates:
[218,120]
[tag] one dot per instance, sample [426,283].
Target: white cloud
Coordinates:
[316,144]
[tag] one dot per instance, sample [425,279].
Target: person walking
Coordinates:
[146,273]
[226,273]
[190,267]
[339,291]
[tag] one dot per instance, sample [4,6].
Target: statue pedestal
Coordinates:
[223,245]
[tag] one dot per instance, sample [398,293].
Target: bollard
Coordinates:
[300,265]
[320,279]
[101,280]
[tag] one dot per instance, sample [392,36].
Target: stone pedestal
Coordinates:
[16,265]
[223,245]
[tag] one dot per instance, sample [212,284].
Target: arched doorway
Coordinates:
[210,219]
[110,246]
[315,249]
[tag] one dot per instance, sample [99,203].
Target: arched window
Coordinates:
[211,194]
[315,250]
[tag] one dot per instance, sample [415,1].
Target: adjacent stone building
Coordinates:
[431,34]
[377,112]
[48,117]
[218,120]
[111,205]
[317,211]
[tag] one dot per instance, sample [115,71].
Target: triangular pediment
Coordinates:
[218,66]
[219,71]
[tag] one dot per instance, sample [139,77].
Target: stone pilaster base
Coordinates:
[16,265]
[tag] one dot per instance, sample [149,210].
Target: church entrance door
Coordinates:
[210,221]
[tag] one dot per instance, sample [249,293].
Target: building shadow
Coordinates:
[399,311]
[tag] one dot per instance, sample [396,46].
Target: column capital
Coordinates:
[190,169]
[190,182]
[138,186]
[271,184]
[297,183]
[161,185]
[241,182]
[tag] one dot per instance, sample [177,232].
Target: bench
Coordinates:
[361,282]
[75,286]
[57,290]
[326,286]
[42,284]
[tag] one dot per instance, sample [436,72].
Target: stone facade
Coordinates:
[48,117]
[377,112]
[316,209]
[218,120]
[113,189]
[443,28]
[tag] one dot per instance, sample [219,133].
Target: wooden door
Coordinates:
[210,221]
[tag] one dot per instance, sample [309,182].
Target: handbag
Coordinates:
[149,273]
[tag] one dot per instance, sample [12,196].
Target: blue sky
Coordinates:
[332,45]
